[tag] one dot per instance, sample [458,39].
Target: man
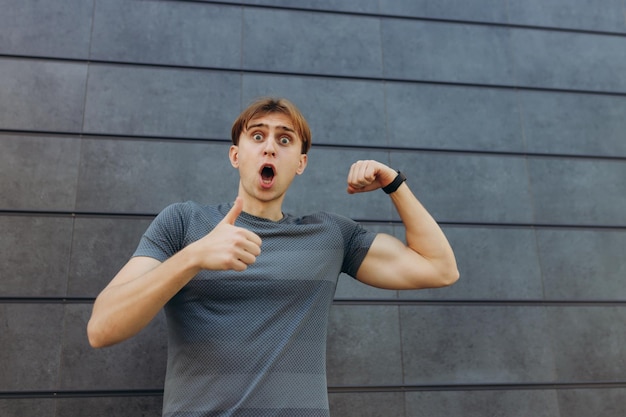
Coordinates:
[247,288]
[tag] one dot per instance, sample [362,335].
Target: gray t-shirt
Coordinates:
[253,343]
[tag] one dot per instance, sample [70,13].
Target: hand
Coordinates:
[368,176]
[228,247]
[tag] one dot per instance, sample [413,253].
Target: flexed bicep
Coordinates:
[390,264]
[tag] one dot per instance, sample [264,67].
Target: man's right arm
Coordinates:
[144,285]
[135,296]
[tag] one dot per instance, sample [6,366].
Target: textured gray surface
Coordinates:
[590,192]
[146,176]
[364,346]
[469,188]
[18,407]
[590,343]
[53,28]
[476,344]
[102,369]
[38,173]
[211,35]
[317,43]
[148,406]
[477,10]
[367,404]
[433,51]
[554,60]
[31,345]
[30,252]
[111,110]
[581,403]
[100,247]
[575,124]
[445,117]
[161,102]
[573,14]
[583,265]
[42,95]
[480,403]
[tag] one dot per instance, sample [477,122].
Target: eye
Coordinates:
[257,137]
[285,140]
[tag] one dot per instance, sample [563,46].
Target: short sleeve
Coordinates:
[357,242]
[165,235]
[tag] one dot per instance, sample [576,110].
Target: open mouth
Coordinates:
[267,174]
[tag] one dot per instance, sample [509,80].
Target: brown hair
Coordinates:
[269,105]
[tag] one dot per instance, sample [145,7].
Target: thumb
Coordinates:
[234,212]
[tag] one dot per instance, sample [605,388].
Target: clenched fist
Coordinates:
[368,176]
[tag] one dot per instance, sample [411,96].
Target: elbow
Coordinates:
[445,276]
[96,336]
[100,328]
[451,276]
[437,279]
[93,336]
[449,272]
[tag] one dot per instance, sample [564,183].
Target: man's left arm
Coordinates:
[425,261]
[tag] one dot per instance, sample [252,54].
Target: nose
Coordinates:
[270,148]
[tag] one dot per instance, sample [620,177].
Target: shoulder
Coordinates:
[191,208]
[345,224]
[182,214]
[187,220]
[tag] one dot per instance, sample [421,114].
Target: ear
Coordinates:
[233,155]
[302,165]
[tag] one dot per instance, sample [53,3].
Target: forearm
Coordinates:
[423,234]
[123,309]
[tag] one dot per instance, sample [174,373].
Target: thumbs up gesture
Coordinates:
[228,247]
[234,212]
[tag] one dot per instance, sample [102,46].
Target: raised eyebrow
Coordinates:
[263,125]
[286,129]
[256,125]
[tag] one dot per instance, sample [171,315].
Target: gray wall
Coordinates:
[508,117]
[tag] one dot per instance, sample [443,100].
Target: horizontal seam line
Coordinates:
[129,215]
[312,75]
[415,18]
[321,145]
[479,386]
[368,301]
[335,389]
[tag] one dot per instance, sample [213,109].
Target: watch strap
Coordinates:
[393,185]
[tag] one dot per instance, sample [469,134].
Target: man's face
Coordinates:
[268,157]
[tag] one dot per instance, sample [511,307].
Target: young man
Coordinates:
[247,288]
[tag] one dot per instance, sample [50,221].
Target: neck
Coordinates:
[265,214]
[270,210]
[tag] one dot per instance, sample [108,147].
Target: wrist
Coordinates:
[192,258]
[395,184]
